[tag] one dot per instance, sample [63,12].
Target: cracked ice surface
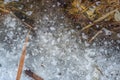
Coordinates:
[55,52]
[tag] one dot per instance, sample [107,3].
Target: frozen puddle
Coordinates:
[54,52]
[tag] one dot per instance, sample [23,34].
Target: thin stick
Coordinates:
[33,75]
[99,19]
[22,58]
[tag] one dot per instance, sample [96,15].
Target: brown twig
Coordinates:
[33,75]
[22,58]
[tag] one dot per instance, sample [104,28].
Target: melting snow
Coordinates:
[55,53]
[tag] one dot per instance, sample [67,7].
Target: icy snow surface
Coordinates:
[54,51]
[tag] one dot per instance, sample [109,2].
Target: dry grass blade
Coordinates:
[32,75]
[4,10]
[21,63]
[26,24]
[105,16]
[95,36]
[97,67]
[98,20]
